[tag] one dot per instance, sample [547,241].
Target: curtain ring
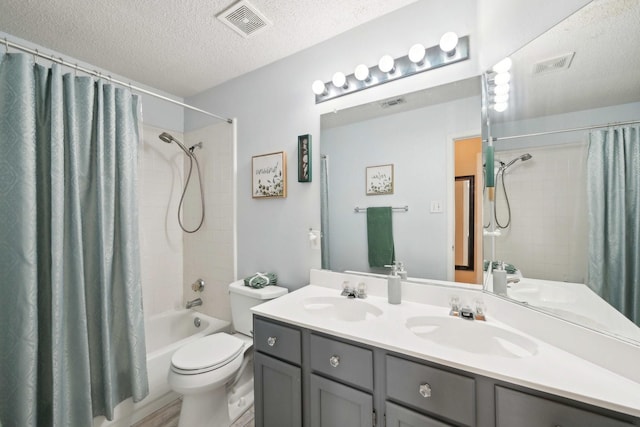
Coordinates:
[6,45]
[75,71]
[35,56]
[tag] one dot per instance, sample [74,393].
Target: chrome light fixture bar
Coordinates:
[389,69]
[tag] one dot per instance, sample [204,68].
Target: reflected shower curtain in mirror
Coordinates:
[613,188]
[324,211]
[72,335]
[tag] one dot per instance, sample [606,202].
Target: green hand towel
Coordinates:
[509,268]
[260,280]
[380,237]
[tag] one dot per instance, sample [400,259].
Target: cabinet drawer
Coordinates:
[524,410]
[345,362]
[276,340]
[431,389]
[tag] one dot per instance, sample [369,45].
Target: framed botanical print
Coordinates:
[379,180]
[269,177]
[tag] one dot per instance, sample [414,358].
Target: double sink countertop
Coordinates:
[426,331]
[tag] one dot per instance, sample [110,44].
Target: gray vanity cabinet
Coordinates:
[277,375]
[305,378]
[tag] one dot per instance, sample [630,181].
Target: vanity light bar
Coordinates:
[434,57]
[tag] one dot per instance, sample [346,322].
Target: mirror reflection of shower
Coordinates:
[501,185]
[189,152]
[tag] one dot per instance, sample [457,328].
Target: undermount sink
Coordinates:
[341,308]
[473,336]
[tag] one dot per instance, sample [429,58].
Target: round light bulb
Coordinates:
[416,53]
[339,79]
[362,72]
[501,89]
[503,66]
[386,64]
[500,106]
[501,98]
[318,87]
[448,42]
[502,78]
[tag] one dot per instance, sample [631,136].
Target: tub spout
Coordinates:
[194,303]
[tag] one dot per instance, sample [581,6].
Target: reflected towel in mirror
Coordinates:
[380,236]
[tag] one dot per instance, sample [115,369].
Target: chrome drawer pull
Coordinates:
[334,361]
[271,341]
[425,390]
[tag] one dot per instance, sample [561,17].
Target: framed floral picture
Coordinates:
[269,177]
[379,180]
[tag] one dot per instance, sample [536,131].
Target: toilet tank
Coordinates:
[243,298]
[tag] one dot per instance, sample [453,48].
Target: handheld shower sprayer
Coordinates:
[168,138]
[524,158]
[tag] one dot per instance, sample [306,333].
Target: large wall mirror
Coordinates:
[566,87]
[545,234]
[414,133]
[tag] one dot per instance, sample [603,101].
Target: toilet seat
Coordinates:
[206,354]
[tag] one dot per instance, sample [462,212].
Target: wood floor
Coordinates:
[170,414]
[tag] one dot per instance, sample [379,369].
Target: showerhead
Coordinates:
[168,138]
[524,158]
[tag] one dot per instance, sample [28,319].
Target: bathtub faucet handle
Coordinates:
[198,285]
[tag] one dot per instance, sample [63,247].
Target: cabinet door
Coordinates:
[278,388]
[514,408]
[397,416]
[336,405]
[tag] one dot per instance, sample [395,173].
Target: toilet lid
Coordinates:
[208,353]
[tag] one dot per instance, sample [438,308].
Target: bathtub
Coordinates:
[165,333]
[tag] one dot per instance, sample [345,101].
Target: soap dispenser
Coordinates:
[499,280]
[394,285]
[401,271]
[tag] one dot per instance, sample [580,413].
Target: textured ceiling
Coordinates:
[605,36]
[179,46]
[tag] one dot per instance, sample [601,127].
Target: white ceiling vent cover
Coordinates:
[554,64]
[244,19]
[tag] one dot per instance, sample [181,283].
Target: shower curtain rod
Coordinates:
[504,138]
[99,75]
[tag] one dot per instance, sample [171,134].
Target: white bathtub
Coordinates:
[164,333]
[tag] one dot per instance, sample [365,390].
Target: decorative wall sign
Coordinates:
[304,158]
[269,177]
[379,180]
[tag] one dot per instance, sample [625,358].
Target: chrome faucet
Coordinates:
[194,303]
[349,292]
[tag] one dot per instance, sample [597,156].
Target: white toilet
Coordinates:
[215,373]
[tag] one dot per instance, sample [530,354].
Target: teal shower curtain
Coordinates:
[71,324]
[613,184]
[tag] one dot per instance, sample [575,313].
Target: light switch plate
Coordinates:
[436,206]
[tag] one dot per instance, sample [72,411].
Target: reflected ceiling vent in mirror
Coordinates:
[244,19]
[393,102]
[558,63]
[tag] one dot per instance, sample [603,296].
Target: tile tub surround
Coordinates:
[563,365]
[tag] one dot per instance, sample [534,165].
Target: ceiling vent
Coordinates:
[392,102]
[244,19]
[554,64]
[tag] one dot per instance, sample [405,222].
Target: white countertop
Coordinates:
[550,369]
